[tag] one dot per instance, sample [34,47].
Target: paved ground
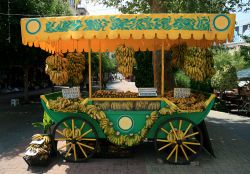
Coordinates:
[229,134]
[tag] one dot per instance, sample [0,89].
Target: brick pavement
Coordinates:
[229,136]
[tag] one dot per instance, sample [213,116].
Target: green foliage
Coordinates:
[245,50]
[202,86]
[181,80]
[225,78]
[144,76]
[45,125]
[224,57]
[176,6]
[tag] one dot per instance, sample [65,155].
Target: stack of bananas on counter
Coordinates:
[196,101]
[64,105]
[76,67]
[114,94]
[40,147]
[56,68]
[125,60]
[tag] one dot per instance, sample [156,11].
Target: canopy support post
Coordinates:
[90,75]
[100,69]
[162,69]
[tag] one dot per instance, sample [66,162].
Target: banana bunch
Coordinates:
[141,105]
[114,94]
[178,54]
[199,64]
[125,60]
[76,67]
[154,106]
[122,106]
[196,101]
[41,151]
[132,139]
[68,133]
[37,137]
[103,105]
[95,112]
[168,110]
[56,68]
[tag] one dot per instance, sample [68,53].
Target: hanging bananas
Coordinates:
[56,68]
[76,67]
[125,60]
[197,63]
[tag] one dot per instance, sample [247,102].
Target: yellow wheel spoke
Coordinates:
[192,143]
[190,135]
[189,148]
[162,140]
[75,157]
[172,127]
[62,139]
[164,130]
[60,132]
[83,123]
[163,147]
[87,139]
[176,154]
[180,123]
[64,146]
[90,130]
[67,154]
[84,153]
[90,147]
[65,124]
[172,152]
[184,153]
[189,126]
[73,128]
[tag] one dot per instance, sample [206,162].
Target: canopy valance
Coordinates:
[140,31]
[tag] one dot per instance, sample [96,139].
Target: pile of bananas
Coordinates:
[42,151]
[64,105]
[76,67]
[56,68]
[198,64]
[125,60]
[114,94]
[196,101]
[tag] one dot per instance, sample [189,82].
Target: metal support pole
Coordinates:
[100,69]
[90,75]
[162,69]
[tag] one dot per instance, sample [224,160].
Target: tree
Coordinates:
[225,78]
[223,57]
[174,6]
[10,31]
[245,50]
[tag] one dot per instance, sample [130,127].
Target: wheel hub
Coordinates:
[179,142]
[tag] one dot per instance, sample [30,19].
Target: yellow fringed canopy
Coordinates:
[140,31]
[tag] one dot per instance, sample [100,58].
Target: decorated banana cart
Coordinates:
[125,119]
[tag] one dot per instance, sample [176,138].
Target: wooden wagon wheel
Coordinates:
[178,140]
[75,139]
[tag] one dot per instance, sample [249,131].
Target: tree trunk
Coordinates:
[26,83]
